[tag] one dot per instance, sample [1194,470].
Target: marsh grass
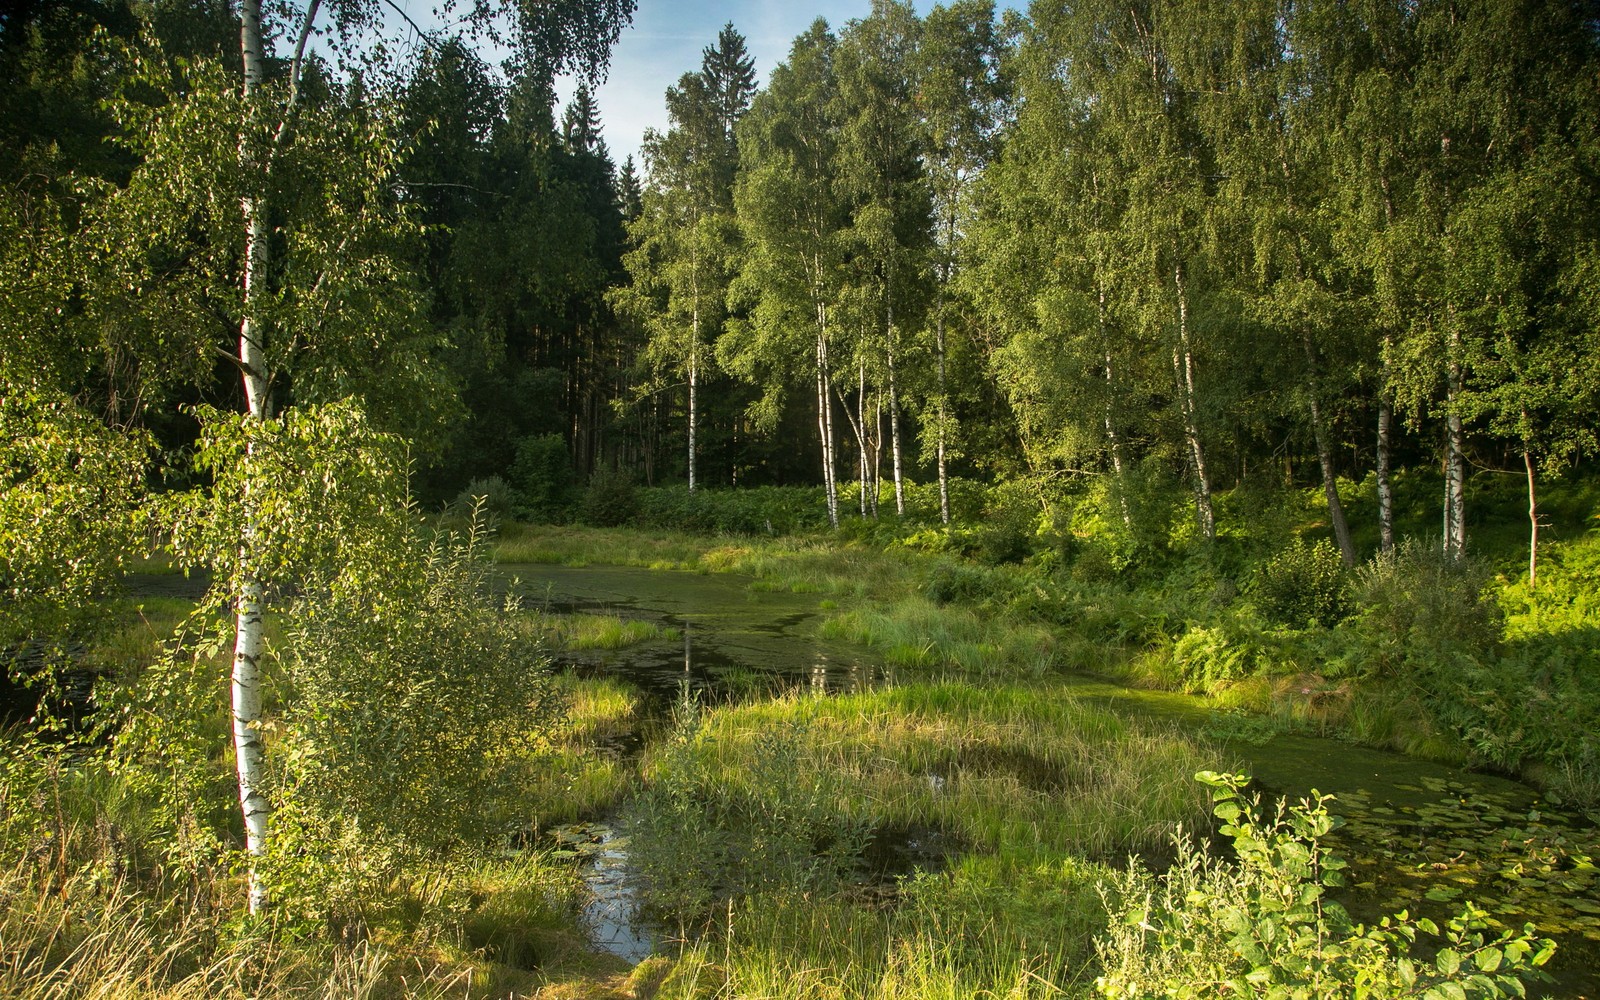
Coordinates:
[1028,784]
[1025,773]
[92,909]
[580,773]
[833,949]
[918,633]
[588,631]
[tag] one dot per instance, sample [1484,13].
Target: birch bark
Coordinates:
[1455,473]
[250,602]
[1183,369]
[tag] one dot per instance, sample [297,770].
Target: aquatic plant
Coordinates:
[1265,926]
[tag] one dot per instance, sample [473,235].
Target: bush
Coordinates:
[763,510]
[1005,531]
[951,582]
[493,496]
[1266,928]
[609,500]
[412,708]
[542,476]
[1422,615]
[1303,586]
[698,839]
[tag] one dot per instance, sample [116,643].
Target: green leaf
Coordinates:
[1448,961]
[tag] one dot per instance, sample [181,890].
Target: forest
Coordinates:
[1011,429]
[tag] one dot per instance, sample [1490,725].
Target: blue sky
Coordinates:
[665,41]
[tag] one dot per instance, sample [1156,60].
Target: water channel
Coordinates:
[1421,835]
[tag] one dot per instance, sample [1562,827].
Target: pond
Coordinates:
[1420,835]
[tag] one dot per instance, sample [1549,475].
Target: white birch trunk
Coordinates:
[894,396]
[894,440]
[858,427]
[249,604]
[877,453]
[944,477]
[1455,472]
[1385,489]
[1183,368]
[1113,439]
[1385,418]
[1533,515]
[694,348]
[825,416]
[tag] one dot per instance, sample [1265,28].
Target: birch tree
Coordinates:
[791,216]
[685,237]
[959,95]
[309,264]
[880,173]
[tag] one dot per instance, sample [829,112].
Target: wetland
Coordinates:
[974,781]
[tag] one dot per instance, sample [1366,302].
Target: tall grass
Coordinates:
[1024,772]
[87,939]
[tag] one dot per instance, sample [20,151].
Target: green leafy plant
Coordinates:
[1266,927]
[697,839]
[542,477]
[412,706]
[1303,585]
[610,499]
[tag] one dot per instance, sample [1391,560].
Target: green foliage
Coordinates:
[1266,927]
[69,488]
[1303,585]
[761,510]
[1421,615]
[699,838]
[609,500]
[956,582]
[411,704]
[493,496]
[1005,532]
[543,478]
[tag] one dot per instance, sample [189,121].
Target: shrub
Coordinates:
[698,839]
[1303,585]
[413,705]
[950,582]
[609,500]
[762,510]
[542,476]
[1420,614]
[1005,532]
[493,496]
[1266,928]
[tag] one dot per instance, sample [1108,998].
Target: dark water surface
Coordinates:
[1420,835]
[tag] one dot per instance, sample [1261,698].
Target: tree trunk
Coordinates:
[1113,440]
[1385,490]
[1183,368]
[249,603]
[894,411]
[1455,472]
[858,426]
[825,416]
[1533,516]
[694,352]
[944,477]
[1330,482]
[877,454]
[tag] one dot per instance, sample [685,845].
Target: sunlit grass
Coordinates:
[587,631]
[1024,772]
[1033,791]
